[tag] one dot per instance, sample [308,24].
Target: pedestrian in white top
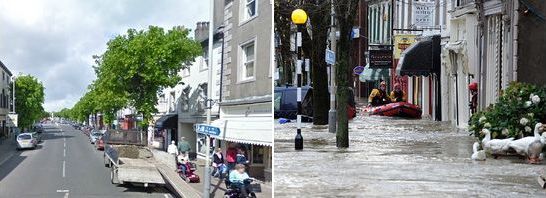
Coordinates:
[172,148]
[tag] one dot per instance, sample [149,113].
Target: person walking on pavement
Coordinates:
[231,157]
[183,147]
[378,97]
[171,149]
[397,95]
[241,158]
[218,163]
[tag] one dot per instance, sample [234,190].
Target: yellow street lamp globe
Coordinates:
[299,17]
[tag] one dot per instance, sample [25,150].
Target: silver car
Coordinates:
[26,140]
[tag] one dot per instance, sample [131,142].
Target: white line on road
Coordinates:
[166,196]
[64,144]
[64,152]
[64,168]
[63,191]
[66,195]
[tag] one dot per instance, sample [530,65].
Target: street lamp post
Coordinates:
[299,17]
[206,189]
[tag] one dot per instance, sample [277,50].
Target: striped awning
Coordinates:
[374,74]
[249,130]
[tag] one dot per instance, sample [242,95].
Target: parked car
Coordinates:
[95,136]
[99,144]
[26,141]
[286,106]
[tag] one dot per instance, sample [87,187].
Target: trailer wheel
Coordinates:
[113,175]
[106,162]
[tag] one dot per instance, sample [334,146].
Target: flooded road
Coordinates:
[391,157]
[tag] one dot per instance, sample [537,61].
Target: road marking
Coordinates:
[64,168]
[64,144]
[166,196]
[66,195]
[64,152]
[63,191]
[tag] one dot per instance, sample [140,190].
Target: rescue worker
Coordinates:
[379,96]
[397,95]
[473,103]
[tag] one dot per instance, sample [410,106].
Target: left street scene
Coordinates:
[136,99]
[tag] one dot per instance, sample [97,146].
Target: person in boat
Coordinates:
[397,95]
[379,96]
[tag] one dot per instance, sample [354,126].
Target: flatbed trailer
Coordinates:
[129,160]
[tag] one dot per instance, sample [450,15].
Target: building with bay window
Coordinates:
[246,116]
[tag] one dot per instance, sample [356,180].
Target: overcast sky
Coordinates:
[54,40]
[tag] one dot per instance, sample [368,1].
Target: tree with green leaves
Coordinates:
[137,65]
[29,100]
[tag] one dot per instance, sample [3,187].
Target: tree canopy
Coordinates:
[29,100]
[133,69]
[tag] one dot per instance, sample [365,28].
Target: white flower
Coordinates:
[523,121]
[531,114]
[531,96]
[535,99]
[527,104]
[487,125]
[505,132]
[482,119]
[528,129]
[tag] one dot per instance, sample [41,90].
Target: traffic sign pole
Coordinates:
[332,119]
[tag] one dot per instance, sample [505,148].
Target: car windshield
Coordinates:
[24,137]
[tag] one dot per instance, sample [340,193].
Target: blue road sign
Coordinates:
[330,57]
[358,70]
[207,129]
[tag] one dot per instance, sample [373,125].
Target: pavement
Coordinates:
[65,164]
[7,148]
[218,187]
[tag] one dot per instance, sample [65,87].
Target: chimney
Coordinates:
[204,34]
[197,31]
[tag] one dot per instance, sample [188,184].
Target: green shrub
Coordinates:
[515,113]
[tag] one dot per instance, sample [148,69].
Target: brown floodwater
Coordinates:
[390,157]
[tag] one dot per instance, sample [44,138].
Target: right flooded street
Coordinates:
[390,157]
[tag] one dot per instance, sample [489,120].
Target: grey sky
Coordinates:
[55,39]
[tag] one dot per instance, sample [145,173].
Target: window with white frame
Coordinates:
[247,61]
[249,10]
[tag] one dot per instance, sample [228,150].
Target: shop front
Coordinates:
[421,63]
[248,127]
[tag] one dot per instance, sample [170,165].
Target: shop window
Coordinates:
[258,153]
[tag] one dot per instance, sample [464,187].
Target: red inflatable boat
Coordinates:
[397,109]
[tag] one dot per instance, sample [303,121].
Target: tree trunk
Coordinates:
[345,15]
[316,49]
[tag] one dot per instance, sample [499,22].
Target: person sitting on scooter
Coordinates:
[237,178]
[181,163]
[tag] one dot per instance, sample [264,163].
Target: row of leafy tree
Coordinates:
[135,67]
[29,100]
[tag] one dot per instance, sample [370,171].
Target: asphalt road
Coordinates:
[65,164]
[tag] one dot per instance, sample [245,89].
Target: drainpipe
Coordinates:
[515,29]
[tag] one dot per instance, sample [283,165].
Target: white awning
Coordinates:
[247,130]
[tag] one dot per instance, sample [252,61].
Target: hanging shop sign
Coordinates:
[380,58]
[423,14]
[401,42]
